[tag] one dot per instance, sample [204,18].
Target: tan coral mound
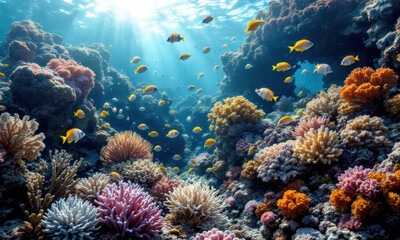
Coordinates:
[326,104]
[89,188]
[269,152]
[196,205]
[143,172]
[365,84]
[17,137]
[318,146]
[392,106]
[236,110]
[364,130]
[124,146]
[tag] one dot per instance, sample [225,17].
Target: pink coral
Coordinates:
[351,180]
[202,157]
[351,222]
[215,234]
[268,218]
[76,76]
[251,206]
[233,172]
[163,187]
[2,154]
[230,201]
[370,188]
[309,123]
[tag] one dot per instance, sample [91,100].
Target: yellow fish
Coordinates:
[157,148]
[114,176]
[184,56]
[197,129]
[74,134]
[224,46]
[253,25]
[151,89]
[142,109]
[332,124]
[187,150]
[153,134]
[207,19]
[233,39]
[206,50]
[161,103]
[193,161]
[199,91]
[216,68]
[301,92]
[266,94]
[175,169]
[175,37]
[248,66]
[209,142]
[177,157]
[167,125]
[398,58]
[251,150]
[323,69]
[349,60]
[2,107]
[209,170]
[104,113]
[142,126]
[287,120]
[110,45]
[2,75]
[163,169]
[172,134]
[301,46]
[106,105]
[132,97]
[281,67]
[80,114]
[141,69]
[288,80]
[191,87]
[5,65]
[200,75]
[135,60]
[190,170]
[106,124]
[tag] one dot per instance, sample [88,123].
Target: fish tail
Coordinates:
[136,72]
[273,67]
[64,138]
[246,30]
[315,70]
[294,118]
[75,113]
[275,98]
[291,48]
[179,58]
[131,61]
[183,38]
[356,58]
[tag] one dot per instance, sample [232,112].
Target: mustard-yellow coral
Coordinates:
[236,110]
[392,106]
[348,107]
[392,182]
[250,170]
[17,137]
[293,204]
[326,104]
[340,200]
[364,208]
[318,146]
[393,200]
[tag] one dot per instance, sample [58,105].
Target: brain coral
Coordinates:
[236,110]
[143,172]
[124,146]
[130,211]
[215,234]
[89,188]
[72,218]
[366,84]
[196,205]
[17,137]
[318,146]
[293,204]
[163,187]
[326,104]
[364,130]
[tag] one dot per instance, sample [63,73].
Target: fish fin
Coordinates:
[291,48]
[294,118]
[183,38]
[356,58]
[64,138]
[246,30]
[273,67]
[275,98]
[76,141]
[131,61]
[69,141]
[75,113]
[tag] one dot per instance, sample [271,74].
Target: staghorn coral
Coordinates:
[236,110]
[318,146]
[72,218]
[124,146]
[293,204]
[250,170]
[363,208]
[326,104]
[306,124]
[89,188]
[392,106]
[17,137]
[130,211]
[366,84]
[215,234]
[364,130]
[340,200]
[143,172]
[196,205]
[78,77]
[163,187]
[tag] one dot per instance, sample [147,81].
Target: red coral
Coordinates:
[80,78]
[163,187]
[366,85]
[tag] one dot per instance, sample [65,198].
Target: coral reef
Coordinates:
[89,188]
[326,104]
[130,211]
[293,204]
[125,146]
[72,218]
[143,172]
[164,186]
[366,84]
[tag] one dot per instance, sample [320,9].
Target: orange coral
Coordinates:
[392,182]
[363,208]
[340,200]
[126,146]
[293,204]
[365,84]
[393,199]
[262,208]
[377,176]
[250,170]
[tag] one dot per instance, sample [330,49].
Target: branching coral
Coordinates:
[306,124]
[196,205]
[250,170]
[72,218]
[236,110]
[163,187]
[89,188]
[130,211]
[143,172]
[293,204]
[318,146]
[215,234]
[340,200]
[366,84]
[326,104]
[125,146]
[17,137]
[364,130]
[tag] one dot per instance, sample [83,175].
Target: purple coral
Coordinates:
[351,222]
[251,206]
[351,180]
[215,234]
[130,211]
[202,157]
[268,218]
[306,124]
[243,145]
